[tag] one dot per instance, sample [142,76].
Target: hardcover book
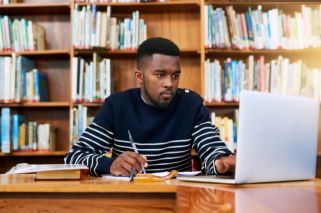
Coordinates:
[51,171]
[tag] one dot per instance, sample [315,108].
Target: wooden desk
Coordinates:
[23,194]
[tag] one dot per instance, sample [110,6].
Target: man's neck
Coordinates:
[146,102]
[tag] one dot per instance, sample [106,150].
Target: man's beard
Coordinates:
[156,103]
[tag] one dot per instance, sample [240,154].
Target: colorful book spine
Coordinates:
[5,130]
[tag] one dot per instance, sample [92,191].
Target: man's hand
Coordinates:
[225,164]
[124,163]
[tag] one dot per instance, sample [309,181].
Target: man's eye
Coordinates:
[175,76]
[160,75]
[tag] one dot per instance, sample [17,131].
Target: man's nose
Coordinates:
[168,82]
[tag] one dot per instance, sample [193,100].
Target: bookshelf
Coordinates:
[179,20]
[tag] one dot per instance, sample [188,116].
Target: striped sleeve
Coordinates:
[207,143]
[95,141]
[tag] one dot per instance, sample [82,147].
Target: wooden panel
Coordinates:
[91,202]
[57,76]
[123,71]
[42,1]
[191,76]
[286,6]
[318,175]
[183,28]
[199,199]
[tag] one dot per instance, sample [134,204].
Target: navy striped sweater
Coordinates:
[164,136]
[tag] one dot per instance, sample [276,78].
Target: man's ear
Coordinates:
[139,76]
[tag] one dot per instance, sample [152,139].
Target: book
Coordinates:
[152,177]
[51,171]
[5,130]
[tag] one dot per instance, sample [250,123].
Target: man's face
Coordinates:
[159,78]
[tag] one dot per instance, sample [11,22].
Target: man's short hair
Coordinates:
[157,45]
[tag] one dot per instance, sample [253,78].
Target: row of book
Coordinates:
[20,35]
[227,128]
[256,29]
[91,81]
[21,81]
[79,121]
[92,28]
[7,1]
[18,134]
[224,82]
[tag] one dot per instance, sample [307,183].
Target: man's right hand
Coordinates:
[124,163]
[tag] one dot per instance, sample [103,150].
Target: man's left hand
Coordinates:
[225,164]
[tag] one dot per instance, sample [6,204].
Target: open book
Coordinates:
[51,171]
[157,176]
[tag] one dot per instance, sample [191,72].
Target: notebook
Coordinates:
[277,139]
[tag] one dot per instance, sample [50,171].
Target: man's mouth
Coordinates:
[167,94]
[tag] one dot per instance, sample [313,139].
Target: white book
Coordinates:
[13,77]
[7,80]
[98,27]
[81,79]
[109,84]
[1,78]
[30,36]
[88,28]
[24,168]
[103,30]
[75,25]
[74,76]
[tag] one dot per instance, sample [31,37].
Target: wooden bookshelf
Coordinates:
[35,154]
[166,6]
[45,53]
[179,20]
[89,104]
[38,8]
[221,104]
[121,53]
[233,52]
[36,104]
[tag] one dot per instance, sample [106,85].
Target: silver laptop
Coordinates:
[277,140]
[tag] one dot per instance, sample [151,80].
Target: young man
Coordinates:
[165,122]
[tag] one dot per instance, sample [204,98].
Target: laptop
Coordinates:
[277,140]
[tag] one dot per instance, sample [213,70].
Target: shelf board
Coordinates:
[35,8]
[117,53]
[221,104]
[40,53]
[35,154]
[36,104]
[88,104]
[310,51]
[149,7]
[288,5]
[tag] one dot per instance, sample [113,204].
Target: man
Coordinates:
[164,121]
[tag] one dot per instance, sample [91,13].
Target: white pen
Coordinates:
[135,148]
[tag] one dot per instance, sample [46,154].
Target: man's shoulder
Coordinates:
[189,95]
[124,94]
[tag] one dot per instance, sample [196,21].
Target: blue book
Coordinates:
[40,86]
[16,122]
[24,65]
[5,130]
[249,25]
